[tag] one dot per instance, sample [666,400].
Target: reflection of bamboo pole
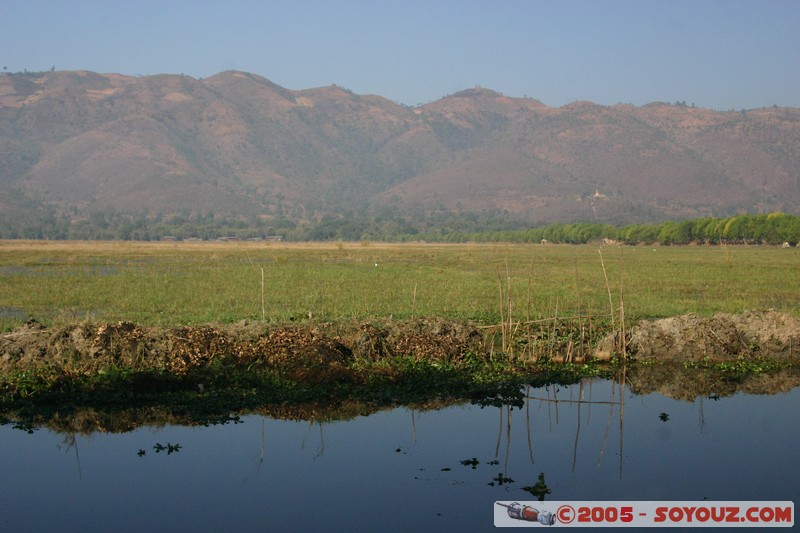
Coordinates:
[554,401]
[263,441]
[702,418]
[499,434]
[608,425]
[578,430]
[321,450]
[71,441]
[555,391]
[528,421]
[598,402]
[508,439]
[303,443]
[262,449]
[413,426]
[78,459]
[589,416]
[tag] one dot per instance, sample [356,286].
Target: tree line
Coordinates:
[773,228]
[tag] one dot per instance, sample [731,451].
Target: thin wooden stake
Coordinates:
[414,303]
[502,305]
[263,312]
[608,288]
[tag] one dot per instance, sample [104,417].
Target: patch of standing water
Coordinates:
[404,469]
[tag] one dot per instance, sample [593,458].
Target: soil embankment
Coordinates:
[723,337]
[685,357]
[308,352]
[752,335]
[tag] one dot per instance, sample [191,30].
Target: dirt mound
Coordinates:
[722,337]
[304,351]
[427,338]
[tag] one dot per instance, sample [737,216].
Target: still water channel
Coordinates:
[403,469]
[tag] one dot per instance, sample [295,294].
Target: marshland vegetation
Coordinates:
[190,283]
[267,322]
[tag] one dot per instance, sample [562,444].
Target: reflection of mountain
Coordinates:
[236,144]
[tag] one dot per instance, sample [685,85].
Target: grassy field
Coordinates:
[187,283]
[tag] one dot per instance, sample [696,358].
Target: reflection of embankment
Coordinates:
[681,383]
[87,420]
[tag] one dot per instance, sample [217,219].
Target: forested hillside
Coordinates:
[89,155]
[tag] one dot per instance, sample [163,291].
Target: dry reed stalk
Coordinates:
[530,279]
[414,303]
[509,337]
[608,288]
[502,318]
[621,411]
[527,351]
[553,333]
[623,342]
[531,322]
[507,328]
[263,309]
[624,346]
[580,304]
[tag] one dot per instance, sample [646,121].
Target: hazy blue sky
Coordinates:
[723,54]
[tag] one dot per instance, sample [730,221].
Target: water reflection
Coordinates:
[426,467]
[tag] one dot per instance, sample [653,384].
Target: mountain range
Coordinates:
[237,145]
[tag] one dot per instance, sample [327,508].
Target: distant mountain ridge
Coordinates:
[236,144]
